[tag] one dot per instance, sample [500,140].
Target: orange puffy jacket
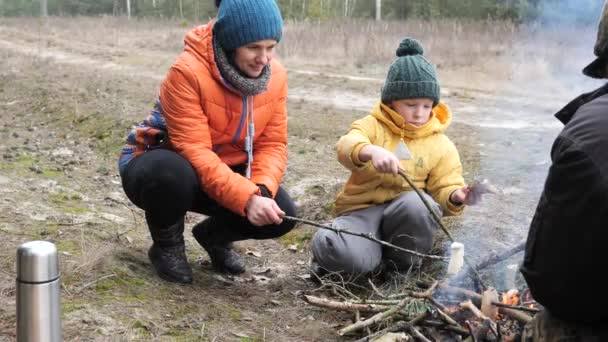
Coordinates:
[205,123]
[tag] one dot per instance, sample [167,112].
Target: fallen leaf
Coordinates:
[254,253]
[293,248]
[260,270]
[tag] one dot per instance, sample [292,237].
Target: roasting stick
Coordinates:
[438,221]
[365,236]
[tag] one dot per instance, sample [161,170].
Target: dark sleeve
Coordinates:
[567,235]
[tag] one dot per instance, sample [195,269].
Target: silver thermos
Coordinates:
[38,292]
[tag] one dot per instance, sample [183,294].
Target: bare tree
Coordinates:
[128,9]
[181,10]
[44,10]
[378,10]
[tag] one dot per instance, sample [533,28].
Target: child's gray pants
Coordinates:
[404,222]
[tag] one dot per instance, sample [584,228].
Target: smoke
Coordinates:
[569,12]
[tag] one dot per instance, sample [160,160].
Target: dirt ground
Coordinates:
[69,94]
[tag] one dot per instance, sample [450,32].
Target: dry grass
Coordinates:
[495,55]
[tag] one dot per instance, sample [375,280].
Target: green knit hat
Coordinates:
[411,75]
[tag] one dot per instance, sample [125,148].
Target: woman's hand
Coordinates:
[383,160]
[262,211]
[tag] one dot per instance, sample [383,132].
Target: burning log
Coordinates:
[476,297]
[487,298]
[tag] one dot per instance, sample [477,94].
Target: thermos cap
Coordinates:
[37,262]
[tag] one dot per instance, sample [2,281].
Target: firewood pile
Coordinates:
[427,310]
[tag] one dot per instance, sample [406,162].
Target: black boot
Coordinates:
[168,253]
[219,248]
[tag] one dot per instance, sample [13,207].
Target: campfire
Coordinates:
[433,310]
[510,297]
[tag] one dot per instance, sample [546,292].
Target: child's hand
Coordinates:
[382,159]
[459,196]
[471,194]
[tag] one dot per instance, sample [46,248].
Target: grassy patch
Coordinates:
[68,203]
[298,237]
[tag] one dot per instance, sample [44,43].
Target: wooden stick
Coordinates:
[368,236]
[468,304]
[379,317]
[443,325]
[494,258]
[418,334]
[399,326]
[440,224]
[516,307]
[344,306]
[376,290]
[473,337]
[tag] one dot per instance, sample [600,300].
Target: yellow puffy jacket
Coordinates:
[435,165]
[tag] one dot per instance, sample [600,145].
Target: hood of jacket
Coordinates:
[199,42]
[441,118]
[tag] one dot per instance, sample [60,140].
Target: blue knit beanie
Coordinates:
[240,22]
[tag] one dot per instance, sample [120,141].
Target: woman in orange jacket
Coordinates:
[215,142]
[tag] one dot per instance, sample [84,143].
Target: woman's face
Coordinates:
[253,57]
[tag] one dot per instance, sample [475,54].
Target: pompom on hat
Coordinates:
[410,75]
[240,22]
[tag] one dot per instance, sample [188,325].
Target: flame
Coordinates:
[510,297]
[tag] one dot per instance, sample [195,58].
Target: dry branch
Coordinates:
[399,326]
[494,258]
[468,304]
[368,236]
[377,318]
[516,307]
[418,334]
[345,306]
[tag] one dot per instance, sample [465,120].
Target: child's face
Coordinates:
[416,111]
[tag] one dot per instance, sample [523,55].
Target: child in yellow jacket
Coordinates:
[403,131]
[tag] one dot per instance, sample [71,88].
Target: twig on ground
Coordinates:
[399,326]
[370,237]
[377,318]
[375,289]
[443,325]
[18,233]
[78,290]
[418,334]
[345,306]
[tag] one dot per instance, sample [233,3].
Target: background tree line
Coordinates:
[570,11]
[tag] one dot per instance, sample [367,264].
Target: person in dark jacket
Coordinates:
[564,261]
